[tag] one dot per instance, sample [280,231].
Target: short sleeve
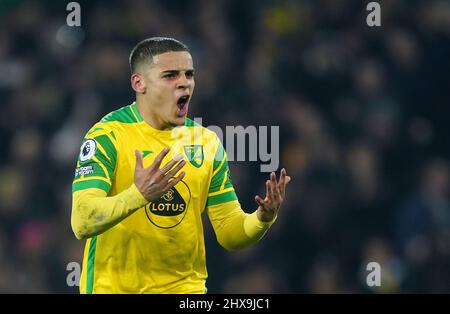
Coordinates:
[96,161]
[221,189]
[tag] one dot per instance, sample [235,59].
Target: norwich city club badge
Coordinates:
[194,154]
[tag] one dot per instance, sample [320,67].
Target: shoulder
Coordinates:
[107,129]
[126,114]
[111,123]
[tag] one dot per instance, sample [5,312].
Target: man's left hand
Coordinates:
[275,192]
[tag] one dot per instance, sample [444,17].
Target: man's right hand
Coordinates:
[153,182]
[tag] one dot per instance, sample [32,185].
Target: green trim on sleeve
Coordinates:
[222,198]
[218,178]
[106,155]
[94,130]
[108,146]
[98,171]
[228,184]
[94,183]
[220,167]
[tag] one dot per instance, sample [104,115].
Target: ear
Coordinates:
[137,83]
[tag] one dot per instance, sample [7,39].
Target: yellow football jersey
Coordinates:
[159,248]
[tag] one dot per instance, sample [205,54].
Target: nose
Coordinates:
[183,82]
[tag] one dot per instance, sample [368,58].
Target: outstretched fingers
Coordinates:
[157,162]
[174,182]
[276,194]
[259,201]
[275,191]
[171,163]
[175,170]
[284,180]
[139,163]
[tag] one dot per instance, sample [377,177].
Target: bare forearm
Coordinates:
[94,213]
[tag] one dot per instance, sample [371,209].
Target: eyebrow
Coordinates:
[177,71]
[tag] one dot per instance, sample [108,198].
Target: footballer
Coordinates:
[145,175]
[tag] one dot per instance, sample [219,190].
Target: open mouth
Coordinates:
[182,101]
[182,104]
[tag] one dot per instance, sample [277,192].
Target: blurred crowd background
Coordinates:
[363,115]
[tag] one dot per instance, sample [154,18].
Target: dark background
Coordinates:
[363,115]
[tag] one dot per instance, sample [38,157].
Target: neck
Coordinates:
[151,118]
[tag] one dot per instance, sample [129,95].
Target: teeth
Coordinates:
[183,99]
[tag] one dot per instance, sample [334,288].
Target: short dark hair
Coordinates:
[146,49]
